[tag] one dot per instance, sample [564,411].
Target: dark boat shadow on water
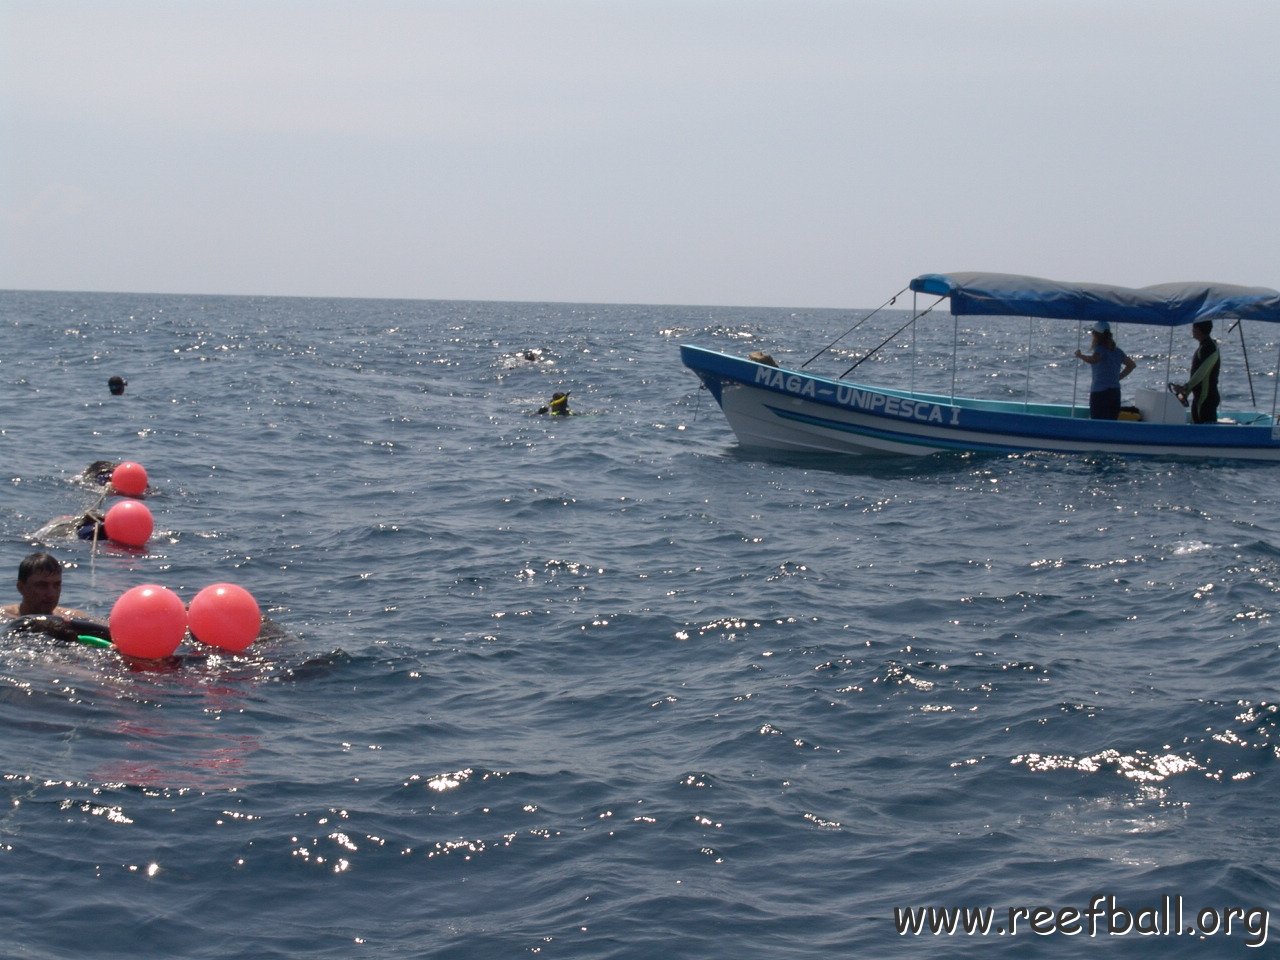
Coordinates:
[883,466]
[906,466]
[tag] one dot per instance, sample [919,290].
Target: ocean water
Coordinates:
[608,686]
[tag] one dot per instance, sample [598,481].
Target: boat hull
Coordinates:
[775,408]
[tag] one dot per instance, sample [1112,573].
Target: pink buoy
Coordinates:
[129,523]
[226,616]
[148,622]
[129,479]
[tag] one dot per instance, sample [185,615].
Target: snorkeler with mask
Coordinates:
[558,407]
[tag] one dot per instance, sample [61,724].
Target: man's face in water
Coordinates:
[40,592]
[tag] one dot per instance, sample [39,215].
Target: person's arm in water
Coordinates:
[67,628]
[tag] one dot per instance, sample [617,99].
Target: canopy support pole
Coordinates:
[1075,380]
[955,350]
[1026,391]
[914,329]
[1275,394]
[1247,372]
[889,339]
[888,303]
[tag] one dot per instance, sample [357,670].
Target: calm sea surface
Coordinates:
[607,686]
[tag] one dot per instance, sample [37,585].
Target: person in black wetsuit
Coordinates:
[86,526]
[1203,385]
[558,407]
[98,473]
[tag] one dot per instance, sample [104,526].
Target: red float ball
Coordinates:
[226,616]
[129,522]
[148,622]
[129,479]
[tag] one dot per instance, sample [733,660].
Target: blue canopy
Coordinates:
[1165,305]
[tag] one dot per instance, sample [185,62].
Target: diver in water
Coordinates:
[85,526]
[98,473]
[558,407]
[91,526]
[40,586]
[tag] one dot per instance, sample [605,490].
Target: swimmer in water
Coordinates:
[97,473]
[558,407]
[86,526]
[116,385]
[40,586]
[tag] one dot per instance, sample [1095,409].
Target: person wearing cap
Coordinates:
[558,407]
[1108,365]
[1203,385]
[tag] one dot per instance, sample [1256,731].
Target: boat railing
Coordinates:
[1027,373]
[888,303]
[1076,403]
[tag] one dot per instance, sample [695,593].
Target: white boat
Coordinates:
[775,407]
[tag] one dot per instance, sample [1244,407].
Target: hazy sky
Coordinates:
[751,152]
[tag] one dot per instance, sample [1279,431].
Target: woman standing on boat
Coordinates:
[1109,365]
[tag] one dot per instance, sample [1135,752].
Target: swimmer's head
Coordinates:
[39,583]
[100,471]
[34,563]
[116,385]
